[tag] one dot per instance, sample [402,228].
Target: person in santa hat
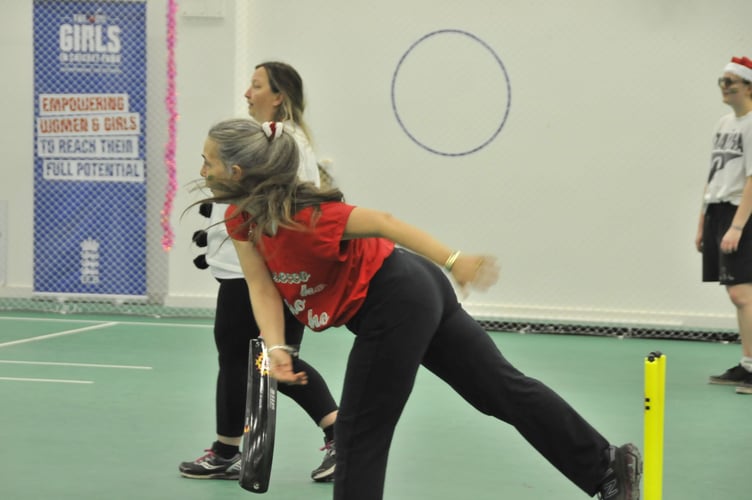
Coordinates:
[724,234]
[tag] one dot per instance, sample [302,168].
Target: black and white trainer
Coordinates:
[212,466]
[622,480]
[325,472]
[744,386]
[732,376]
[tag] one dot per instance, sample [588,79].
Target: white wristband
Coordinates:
[286,348]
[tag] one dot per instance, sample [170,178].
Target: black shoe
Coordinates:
[622,480]
[212,466]
[745,385]
[732,376]
[325,472]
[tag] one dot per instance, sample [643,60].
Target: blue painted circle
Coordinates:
[498,61]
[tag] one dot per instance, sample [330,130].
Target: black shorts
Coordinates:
[727,268]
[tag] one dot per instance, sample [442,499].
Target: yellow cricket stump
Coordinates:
[655,393]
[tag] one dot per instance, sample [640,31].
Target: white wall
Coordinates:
[16,124]
[589,195]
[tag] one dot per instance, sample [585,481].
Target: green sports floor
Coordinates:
[104,408]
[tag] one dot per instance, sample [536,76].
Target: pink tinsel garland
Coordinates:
[170,147]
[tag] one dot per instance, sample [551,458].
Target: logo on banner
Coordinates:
[90,43]
[90,262]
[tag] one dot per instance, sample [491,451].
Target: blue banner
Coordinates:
[89,163]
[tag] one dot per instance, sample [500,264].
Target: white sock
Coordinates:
[746,362]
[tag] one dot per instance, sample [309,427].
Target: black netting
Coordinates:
[610,330]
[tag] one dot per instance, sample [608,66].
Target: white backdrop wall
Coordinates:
[589,195]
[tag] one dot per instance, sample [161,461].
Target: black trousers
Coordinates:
[234,327]
[411,317]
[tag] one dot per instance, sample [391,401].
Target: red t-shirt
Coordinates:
[322,278]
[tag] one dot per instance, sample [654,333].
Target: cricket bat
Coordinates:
[260,421]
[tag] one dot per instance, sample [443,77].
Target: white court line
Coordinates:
[84,365]
[52,380]
[209,324]
[134,323]
[62,320]
[58,334]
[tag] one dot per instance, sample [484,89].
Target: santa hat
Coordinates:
[741,67]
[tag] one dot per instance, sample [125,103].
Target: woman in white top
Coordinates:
[275,93]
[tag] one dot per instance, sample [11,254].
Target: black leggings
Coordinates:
[234,327]
[411,317]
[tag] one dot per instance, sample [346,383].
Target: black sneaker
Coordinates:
[732,376]
[622,480]
[212,466]
[325,472]
[745,386]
